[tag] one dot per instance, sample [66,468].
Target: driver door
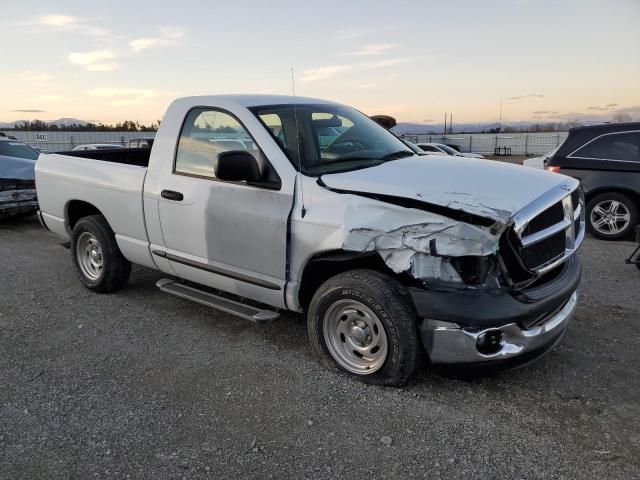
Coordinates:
[227,235]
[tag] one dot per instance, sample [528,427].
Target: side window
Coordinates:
[619,146]
[274,124]
[205,134]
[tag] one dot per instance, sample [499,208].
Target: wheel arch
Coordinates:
[629,192]
[325,265]
[77,209]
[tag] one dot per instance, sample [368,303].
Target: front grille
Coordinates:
[551,216]
[544,251]
[545,234]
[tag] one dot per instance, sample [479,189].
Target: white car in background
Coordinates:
[442,149]
[97,146]
[539,162]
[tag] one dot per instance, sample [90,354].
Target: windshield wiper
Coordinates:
[398,154]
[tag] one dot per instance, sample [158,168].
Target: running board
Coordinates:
[247,312]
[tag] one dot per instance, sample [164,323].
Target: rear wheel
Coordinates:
[611,216]
[361,322]
[99,263]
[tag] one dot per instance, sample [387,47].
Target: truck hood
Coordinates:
[13,168]
[486,188]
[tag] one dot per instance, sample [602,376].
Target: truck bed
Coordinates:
[126,156]
[112,183]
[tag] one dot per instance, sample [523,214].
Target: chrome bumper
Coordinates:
[448,343]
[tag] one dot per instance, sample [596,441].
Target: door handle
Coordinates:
[171,195]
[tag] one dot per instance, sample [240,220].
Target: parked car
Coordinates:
[606,160]
[17,183]
[441,148]
[146,142]
[382,249]
[539,162]
[97,146]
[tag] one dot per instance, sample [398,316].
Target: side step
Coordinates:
[210,300]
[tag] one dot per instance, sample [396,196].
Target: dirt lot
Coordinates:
[139,384]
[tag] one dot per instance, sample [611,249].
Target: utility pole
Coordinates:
[445,124]
[500,111]
[451,123]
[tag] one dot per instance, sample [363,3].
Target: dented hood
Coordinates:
[487,188]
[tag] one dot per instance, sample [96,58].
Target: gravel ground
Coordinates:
[139,384]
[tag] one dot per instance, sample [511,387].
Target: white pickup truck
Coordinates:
[256,204]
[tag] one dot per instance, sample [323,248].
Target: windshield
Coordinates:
[448,149]
[330,138]
[19,150]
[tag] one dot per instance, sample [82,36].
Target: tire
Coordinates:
[612,203]
[99,263]
[365,311]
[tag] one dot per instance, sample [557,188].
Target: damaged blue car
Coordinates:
[17,182]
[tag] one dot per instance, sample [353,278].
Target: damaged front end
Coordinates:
[17,197]
[429,248]
[487,292]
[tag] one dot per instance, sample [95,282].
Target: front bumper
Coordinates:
[448,343]
[15,202]
[483,327]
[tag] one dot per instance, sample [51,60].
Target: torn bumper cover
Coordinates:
[492,326]
[17,198]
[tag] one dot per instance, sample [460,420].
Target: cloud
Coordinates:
[375,48]
[94,61]
[172,32]
[101,67]
[530,95]
[35,77]
[330,71]
[124,96]
[51,98]
[367,85]
[61,22]
[56,20]
[545,112]
[606,116]
[144,43]
[170,36]
[29,110]
[609,106]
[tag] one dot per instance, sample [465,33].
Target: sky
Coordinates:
[109,61]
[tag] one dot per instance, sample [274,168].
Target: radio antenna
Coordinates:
[295,117]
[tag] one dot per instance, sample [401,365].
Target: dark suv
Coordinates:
[606,159]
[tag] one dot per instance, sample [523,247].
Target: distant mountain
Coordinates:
[62,122]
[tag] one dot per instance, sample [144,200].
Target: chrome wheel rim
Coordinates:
[89,256]
[610,217]
[355,337]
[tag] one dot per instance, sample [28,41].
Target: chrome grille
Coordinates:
[551,229]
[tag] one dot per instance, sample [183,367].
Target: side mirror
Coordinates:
[237,166]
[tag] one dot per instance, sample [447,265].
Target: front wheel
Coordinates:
[99,263]
[360,322]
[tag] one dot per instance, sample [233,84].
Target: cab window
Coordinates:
[204,135]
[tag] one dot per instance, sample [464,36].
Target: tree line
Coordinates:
[126,126]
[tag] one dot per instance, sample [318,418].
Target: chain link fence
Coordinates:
[64,141]
[484,143]
[496,143]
